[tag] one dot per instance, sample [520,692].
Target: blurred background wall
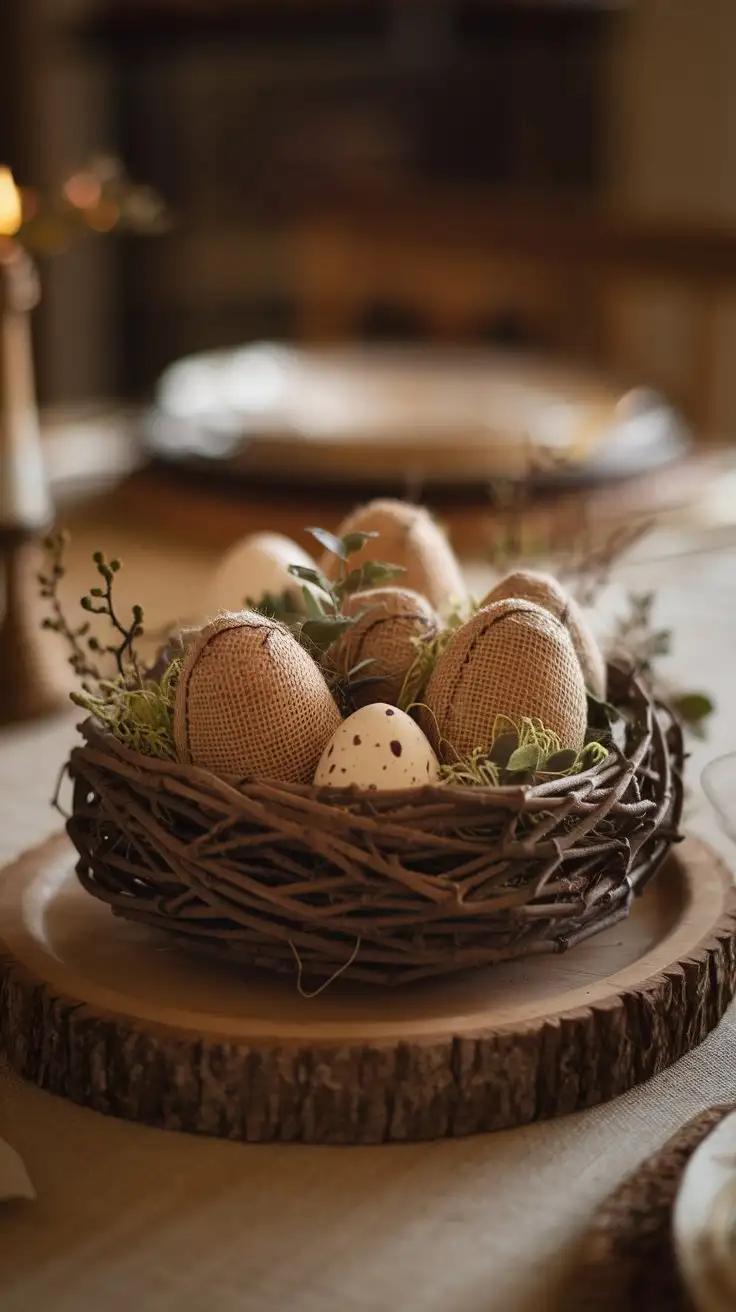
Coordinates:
[418,169]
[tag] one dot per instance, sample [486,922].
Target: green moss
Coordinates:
[528,753]
[142,718]
[428,652]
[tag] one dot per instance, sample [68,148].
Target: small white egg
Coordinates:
[254,566]
[377,747]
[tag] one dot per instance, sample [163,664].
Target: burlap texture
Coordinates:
[394,619]
[408,537]
[252,703]
[545,590]
[515,659]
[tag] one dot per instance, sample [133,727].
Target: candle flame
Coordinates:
[11,211]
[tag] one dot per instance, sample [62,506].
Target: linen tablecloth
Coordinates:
[129,1217]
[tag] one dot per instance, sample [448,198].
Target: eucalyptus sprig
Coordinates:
[277,605]
[324,598]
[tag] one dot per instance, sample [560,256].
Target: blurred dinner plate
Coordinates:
[704,1222]
[719,785]
[373,415]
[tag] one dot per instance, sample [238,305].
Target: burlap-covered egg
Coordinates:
[251,702]
[514,659]
[546,591]
[408,536]
[377,747]
[394,621]
[257,565]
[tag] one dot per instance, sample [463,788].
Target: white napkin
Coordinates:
[14,1179]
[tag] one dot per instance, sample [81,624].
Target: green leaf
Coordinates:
[278,606]
[660,643]
[323,632]
[309,575]
[560,762]
[313,602]
[642,603]
[693,706]
[355,685]
[354,542]
[361,665]
[503,748]
[601,714]
[369,575]
[329,541]
[524,758]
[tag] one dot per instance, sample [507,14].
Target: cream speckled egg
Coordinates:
[378,747]
[254,566]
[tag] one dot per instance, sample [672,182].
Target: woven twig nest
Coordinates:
[384,887]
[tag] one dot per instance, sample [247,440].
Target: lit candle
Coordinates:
[11,212]
[24,498]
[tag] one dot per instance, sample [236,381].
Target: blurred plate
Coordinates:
[719,785]
[404,415]
[704,1222]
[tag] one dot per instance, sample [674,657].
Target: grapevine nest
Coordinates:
[382,887]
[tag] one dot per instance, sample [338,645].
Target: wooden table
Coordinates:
[127,1216]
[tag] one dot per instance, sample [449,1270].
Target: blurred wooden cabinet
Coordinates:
[654,304]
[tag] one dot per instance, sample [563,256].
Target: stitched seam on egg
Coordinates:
[360,636]
[453,691]
[520,607]
[195,661]
[548,593]
[224,627]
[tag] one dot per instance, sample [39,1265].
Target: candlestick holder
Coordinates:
[31,673]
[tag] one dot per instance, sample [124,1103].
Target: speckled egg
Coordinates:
[378,747]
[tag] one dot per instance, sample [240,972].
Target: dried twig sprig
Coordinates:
[587,567]
[84,646]
[581,559]
[49,579]
[100,602]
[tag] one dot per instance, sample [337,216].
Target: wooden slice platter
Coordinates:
[109,1014]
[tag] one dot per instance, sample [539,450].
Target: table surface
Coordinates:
[127,1216]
